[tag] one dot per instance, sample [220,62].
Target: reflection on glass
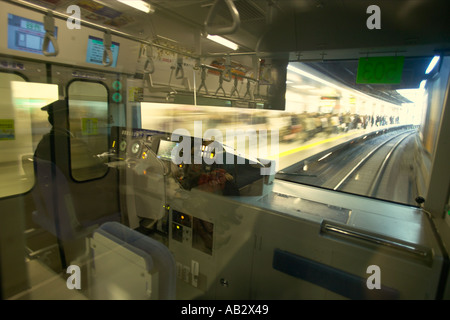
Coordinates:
[22,124]
[88,124]
[321,112]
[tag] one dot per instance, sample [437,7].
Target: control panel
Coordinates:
[191,239]
[201,168]
[192,232]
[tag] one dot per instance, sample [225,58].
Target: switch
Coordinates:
[186,274]
[195,268]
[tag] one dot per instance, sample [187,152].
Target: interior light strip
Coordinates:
[138,4]
[223,41]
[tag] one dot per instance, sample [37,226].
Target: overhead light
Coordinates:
[432,64]
[138,4]
[223,41]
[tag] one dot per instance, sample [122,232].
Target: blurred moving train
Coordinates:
[142,160]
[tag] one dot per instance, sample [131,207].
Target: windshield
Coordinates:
[360,138]
[335,132]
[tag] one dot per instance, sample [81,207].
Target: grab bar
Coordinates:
[328,227]
[203,78]
[147,52]
[179,73]
[235,90]
[107,53]
[235,24]
[220,85]
[227,73]
[49,26]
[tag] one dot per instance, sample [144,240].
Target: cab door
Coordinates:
[46,214]
[93,106]
[24,90]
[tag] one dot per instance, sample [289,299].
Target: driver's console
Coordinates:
[206,167]
[177,190]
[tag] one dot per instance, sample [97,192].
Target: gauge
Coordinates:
[123,145]
[135,148]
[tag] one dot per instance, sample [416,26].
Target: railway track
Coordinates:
[368,172]
[377,167]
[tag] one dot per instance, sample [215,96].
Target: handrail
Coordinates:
[49,26]
[345,231]
[248,92]
[107,53]
[235,90]
[235,24]
[231,71]
[147,52]
[227,73]
[203,83]
[95,26]
[179,73]
[220,85]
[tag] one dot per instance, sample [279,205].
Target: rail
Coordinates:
[362,161]
[331,228]
[377,180]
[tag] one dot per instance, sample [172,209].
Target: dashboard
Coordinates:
[200,168]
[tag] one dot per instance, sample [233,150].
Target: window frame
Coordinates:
[68,124]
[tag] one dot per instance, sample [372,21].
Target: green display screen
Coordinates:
[382,70]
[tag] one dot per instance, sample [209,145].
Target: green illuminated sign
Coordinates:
[381,70]
[33,26]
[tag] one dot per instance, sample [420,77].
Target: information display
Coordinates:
[382,70]
[27,35]
[95,50]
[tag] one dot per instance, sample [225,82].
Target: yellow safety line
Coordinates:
[288,152]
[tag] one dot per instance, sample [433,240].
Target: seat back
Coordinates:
[129,265]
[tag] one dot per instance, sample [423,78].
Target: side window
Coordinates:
[22,125]
[88,124]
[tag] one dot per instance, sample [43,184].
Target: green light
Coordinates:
[117,97]
[117,85]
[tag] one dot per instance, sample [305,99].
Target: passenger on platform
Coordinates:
[334,121]
[347,121]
